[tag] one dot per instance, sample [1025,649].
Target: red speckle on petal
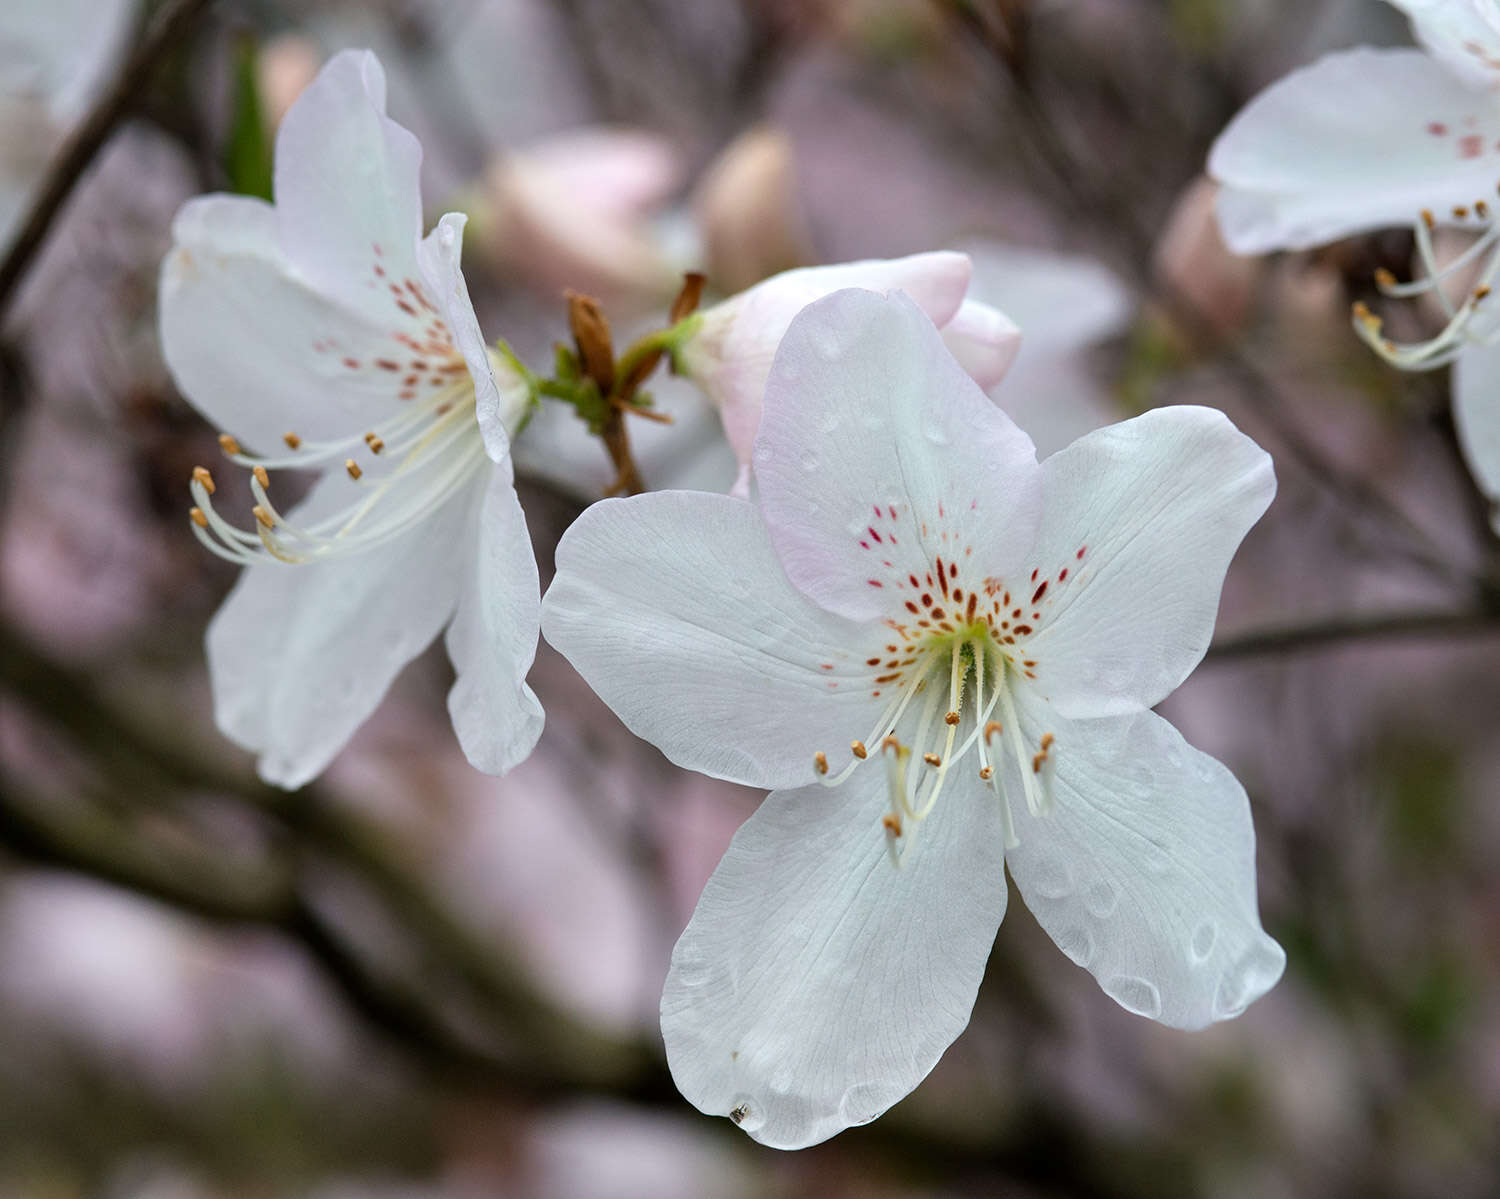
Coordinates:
[1039,592]
[352,363]
[892,511]
[386,364]
[1079,555]
[1062,575]
[825,665]
[1471,145]
[1437,129]
[874,582]
[864,545]
[875,535]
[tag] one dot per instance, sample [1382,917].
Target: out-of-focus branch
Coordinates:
[1394,626]
[171,22]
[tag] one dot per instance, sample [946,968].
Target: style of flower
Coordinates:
[730,350]
[326,334]
[941,656]
[1365,139]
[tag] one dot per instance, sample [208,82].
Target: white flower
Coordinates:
[1366,139]
[967,645]
[326,333]
[729,355]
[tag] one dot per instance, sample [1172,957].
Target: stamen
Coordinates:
[932,759]
[951,718]
[201,475]
[353,468]
[261,477]
[857,748]
[292,440]
[228,444]
[199,518]
[263,518]
[820,762]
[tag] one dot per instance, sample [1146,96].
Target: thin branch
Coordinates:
[1343,630]
[171,23]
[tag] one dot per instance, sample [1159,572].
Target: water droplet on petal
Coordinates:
[1135,995]
[1248,979]
[747,1113]
[1051,878]
[1077,942]
[1204,937]
[864,1101]
[1101,898]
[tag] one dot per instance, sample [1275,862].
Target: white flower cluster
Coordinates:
[937,653]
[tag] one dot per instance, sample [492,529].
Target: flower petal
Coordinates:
[252,346]
[816,984]
[1145,515]
[1143,872]
[1358,140]
[1463,34]
[876,446]
[984,340]
[1476,412]
[299,656]
[497,408]
[492,639]
[347,182]
[732,357]
[672,605]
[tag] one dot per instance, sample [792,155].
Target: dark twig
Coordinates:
[1343,630]
[172,21]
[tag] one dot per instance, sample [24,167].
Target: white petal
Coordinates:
[1463,34]
[492,639]
[299,656]
[1143,872]
[499,401]
[732,358]
[1358,140]
[348,193]
[60,51]
[672,605]
[816,983]
[984,340]
[876,447]
[1145,516]
[253,346]
[1476,412]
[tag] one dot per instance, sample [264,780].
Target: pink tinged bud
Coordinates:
[730,354]
[750,213]
[1192,259]
[575,211]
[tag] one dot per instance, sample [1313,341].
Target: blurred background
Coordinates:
[413,980]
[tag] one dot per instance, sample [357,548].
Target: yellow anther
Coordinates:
[932,759]
[1047,740]
[263,516]
[199,518]
[1384,277]
[292,440]
[1481,291]
[891,823]
[951,718]
[820,762]
[991,729]
[857,748]
[1481,210]
[261,476]
[374,442]
[204,479]
[986,772]
[1036,763]
[1460,212]
[228,444]
[1428,219]
[891,743]
[353,468]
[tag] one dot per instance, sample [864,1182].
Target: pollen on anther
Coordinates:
[262,476]
[991,729]
[263,516]
[1384,278]
[1047,740]
[891,823]
[986,772]
[374,442]
[1428,219]
[1481,291]
[353,468]
[857,748]
[951,718]
[292,440]
[820,762]
[228,444]
[932,759]
[200,518]
[204,479]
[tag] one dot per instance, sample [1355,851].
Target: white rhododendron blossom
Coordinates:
[327,334]
[1370,138]
[941,656]
[729,354]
